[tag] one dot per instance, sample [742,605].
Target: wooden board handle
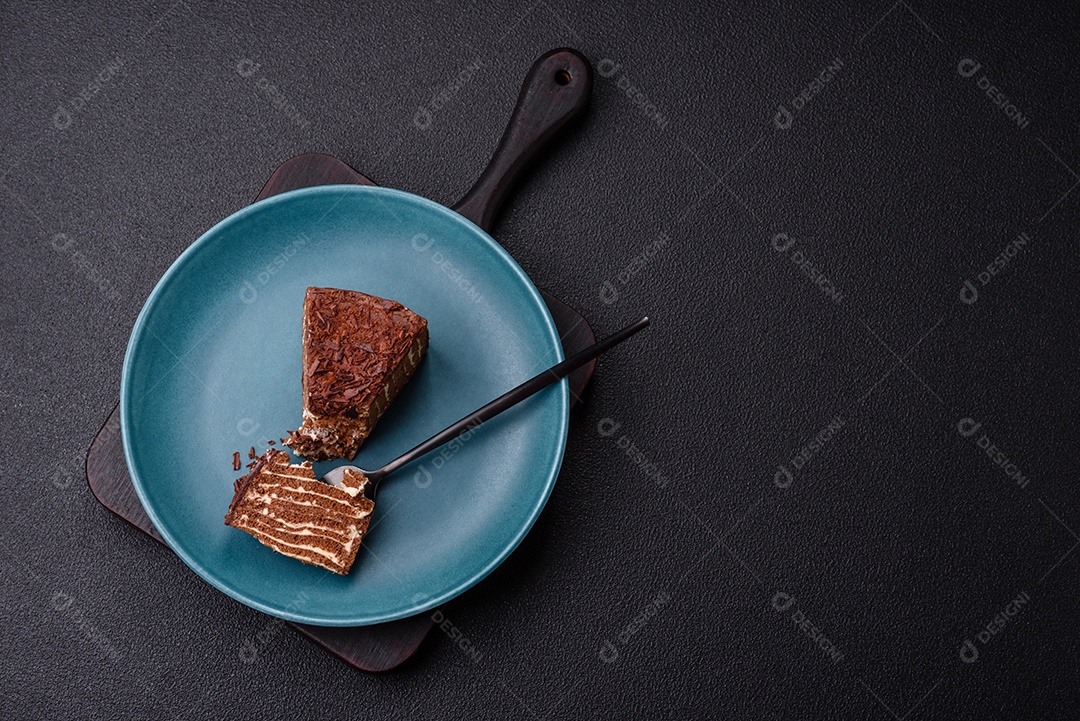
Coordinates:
[555,91]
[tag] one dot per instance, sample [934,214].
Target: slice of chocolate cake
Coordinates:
[286,508]
[359,351]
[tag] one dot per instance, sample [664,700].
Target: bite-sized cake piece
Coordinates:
[359,351]
[286,508]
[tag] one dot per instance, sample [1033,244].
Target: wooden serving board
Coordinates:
[556,90]
[371,648]
[376,648]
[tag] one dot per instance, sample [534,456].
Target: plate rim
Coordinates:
[140,326]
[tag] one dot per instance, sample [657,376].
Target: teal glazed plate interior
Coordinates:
[213,367]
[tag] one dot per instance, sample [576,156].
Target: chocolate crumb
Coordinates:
[236,460]
[251,453]
[270,442]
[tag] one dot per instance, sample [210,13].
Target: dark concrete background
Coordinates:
[899,540]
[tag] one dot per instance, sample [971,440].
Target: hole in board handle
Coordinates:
[562,77]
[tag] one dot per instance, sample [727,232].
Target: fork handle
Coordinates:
[511,398]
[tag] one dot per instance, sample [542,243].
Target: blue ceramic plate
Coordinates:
[213,367]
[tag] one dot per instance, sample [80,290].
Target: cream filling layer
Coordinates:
[314,549]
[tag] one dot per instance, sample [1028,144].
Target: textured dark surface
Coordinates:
[900,179]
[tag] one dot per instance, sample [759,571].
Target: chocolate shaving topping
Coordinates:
[251,453]
[351,342]
[236,461]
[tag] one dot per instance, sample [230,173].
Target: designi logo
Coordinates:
[967,427]
[783,118]
[783,601]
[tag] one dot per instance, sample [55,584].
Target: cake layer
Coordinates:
[358,352]
[286,508]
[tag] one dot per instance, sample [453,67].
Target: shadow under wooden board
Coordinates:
[378,647]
